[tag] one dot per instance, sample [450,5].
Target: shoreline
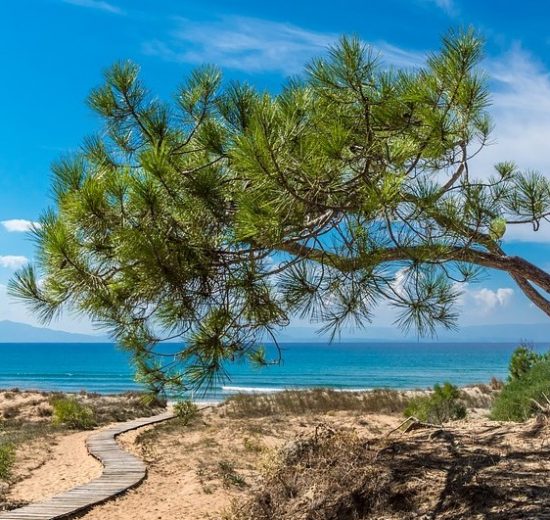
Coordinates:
[257,392]
[469,390]
[217,457]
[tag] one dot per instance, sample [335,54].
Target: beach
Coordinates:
[220,460]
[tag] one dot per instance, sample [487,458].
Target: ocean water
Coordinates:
[103,368]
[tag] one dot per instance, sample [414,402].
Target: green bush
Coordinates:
[515,402]
[7,458]
[186,411]
[522,360]
[442,405]
[69,412]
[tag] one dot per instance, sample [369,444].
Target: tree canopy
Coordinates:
[215,218]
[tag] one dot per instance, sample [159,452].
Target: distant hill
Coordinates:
[12,332]
[502,333]
[505,332]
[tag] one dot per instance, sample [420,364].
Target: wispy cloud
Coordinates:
[18,225]
[13,262]
[446,5]
[254,45]
[96,4]
[241,43]
[520,110]
[520,85]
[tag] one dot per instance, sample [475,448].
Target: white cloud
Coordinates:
[13,261]
[18,225]
[520,109]
[488,300]
[96,4]
[255,45]
[242,43]
[525,233]
[447,5]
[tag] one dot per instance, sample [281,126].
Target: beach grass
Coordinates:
[319,400]
[7,458]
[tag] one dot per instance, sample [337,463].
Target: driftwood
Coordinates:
[543,407]
[412,423]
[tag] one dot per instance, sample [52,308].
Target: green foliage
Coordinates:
[442,405]
[7,458]
[186,411]
[515,402]
[69,412]
[217,218]
[522,360]
[229,475]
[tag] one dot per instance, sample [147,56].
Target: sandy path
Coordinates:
[68,466]
[171,491]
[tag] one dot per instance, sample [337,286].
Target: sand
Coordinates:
[68,465]
[184,476]
[197,471]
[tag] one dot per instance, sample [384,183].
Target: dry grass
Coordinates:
[319,401]
[317,465]
[329,475]
[469,471]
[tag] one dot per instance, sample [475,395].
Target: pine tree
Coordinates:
[217,217]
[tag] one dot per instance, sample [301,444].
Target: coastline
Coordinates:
[104,369]
[219,457]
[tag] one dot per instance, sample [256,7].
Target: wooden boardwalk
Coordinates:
[121,471]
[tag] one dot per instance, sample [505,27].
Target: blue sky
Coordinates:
[52,52]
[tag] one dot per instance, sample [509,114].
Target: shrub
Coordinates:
[325,476]
[71,413]
[186,411]
[229,476]
[7,458]
[10,412]
[522,360]
[515,402]
[442,405]
[496,384]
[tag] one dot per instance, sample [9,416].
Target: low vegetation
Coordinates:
[522,360]
[7,458]
[229,474]
[340,482]
[443,404]
[87,410]
[337,472]
[186,411]
[69,412]
[523,396]
[320,400]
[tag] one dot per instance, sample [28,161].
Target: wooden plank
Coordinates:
[121,471]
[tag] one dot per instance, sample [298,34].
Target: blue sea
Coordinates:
[104,368]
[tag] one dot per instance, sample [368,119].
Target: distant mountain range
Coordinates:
[13,332]
[501,333]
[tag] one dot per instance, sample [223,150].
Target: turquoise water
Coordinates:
[104,368]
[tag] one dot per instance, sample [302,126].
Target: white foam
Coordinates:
[251,389]
[268,390]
